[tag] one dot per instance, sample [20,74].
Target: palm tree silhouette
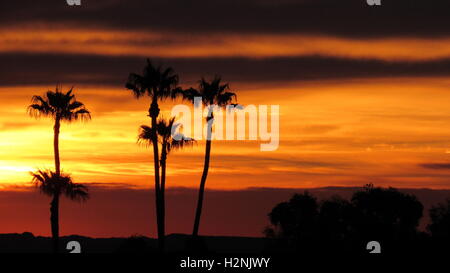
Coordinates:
[158,84]
[60,107]
[54,185]
[168,142]
[212,93]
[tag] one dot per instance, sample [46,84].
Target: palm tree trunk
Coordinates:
[201,191]
[54,220]
[56,145]
[163,188]
[153,113]
[54,205]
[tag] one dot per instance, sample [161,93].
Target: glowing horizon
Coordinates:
[375,136]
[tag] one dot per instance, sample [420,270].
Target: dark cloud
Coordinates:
[28,69]
[342,18]
[436,166]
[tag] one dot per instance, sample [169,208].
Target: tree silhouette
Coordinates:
[213,93]
[440,221]
[336,224]
[295,219]
[168,143]
[158,84]
[385,213]
[61,107]
[54,185]
[334,219]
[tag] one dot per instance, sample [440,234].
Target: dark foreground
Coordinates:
[28,243]
[211,254]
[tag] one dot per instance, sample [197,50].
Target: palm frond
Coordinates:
[77,192]
[39,107]
[57,104]
[154,82]
[212,92]
[74,105]
[52,184]
[190,95]
[164,130]
[180,144]
[145,135]
[136,84]
[81,114]
[226,98]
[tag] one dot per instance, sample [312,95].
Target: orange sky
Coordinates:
[341,133]
[363,95]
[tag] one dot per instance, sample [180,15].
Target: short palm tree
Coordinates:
[168,142]
[158,84]
[57,185]
[212,93]
[61,107]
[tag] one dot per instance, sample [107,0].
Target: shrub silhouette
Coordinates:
[440,221]
[134,245]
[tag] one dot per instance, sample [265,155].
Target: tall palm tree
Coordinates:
[54,185]
[212,93]
[168,143]
[61,107]
[158,84]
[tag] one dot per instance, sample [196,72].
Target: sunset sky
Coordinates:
[364,92]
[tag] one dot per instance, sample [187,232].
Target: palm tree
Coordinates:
[212,93]
[54,185]
[158,84]
[60,107]
[168,143]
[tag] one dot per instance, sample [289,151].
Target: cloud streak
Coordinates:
[37,69]
[98,41]
[436,166]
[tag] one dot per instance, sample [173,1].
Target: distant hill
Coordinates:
[28,243]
